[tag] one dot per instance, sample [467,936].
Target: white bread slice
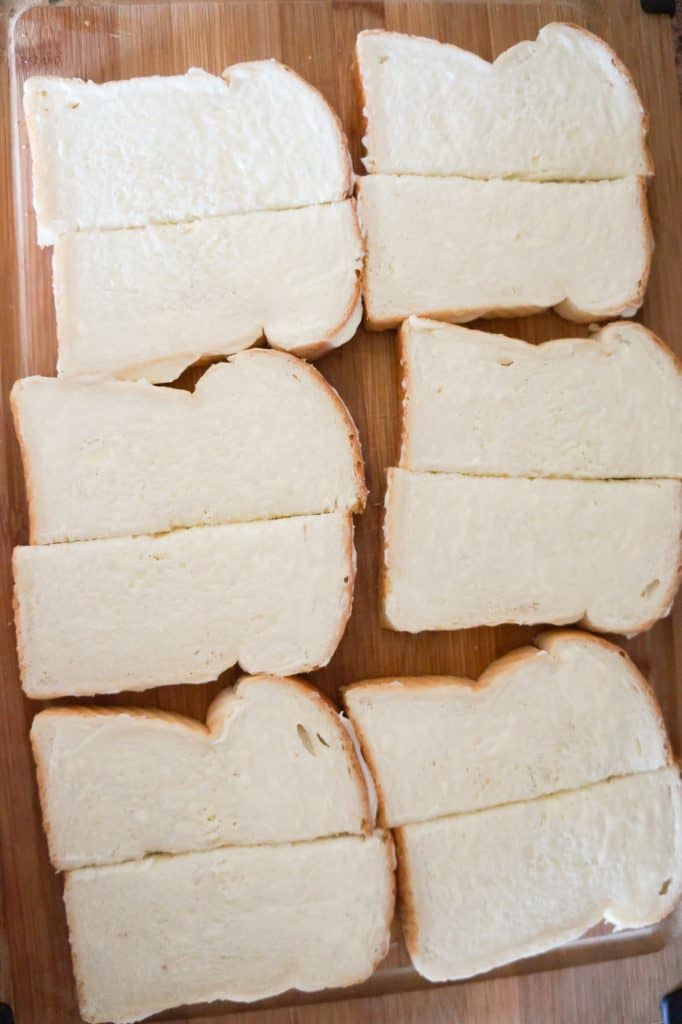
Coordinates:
[262,436]
[239,923]
[456,249]
[562,107]
[485,404]
[478,890]
[274,764]
[570,711]
[151,301]
[129,613]
[160,149]
[462,551]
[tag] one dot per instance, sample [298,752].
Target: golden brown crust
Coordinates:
[25,465]
[369,761]
[409,917]
[404,389]
[350,589]
[383,585]
[391,866]
[19,630]
[356,76]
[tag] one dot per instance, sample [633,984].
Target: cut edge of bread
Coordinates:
[217,715]
[545,641]
[566,309]
[405,375]
[610,52]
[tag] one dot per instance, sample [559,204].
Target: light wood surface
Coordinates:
[315,37]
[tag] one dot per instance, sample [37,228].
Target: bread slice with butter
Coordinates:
[456,249]
[161,150]
[463,551]
[129,613]
[478,890]
[263,436]
[148,302]
[240,923]
[169,784]
[535,803]
[584,710]
[558,108]
[605,407]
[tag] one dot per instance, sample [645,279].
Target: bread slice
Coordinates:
[568,712]
[457,249]
[149,302]
[274,764]
[240,923]
[485,404]
[133,612]
[462,551]
[478,890]
[157,150]
[562,107]
[263,436]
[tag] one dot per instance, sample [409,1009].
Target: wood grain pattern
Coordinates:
[315,37]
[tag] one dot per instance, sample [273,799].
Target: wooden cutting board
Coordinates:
[316,38]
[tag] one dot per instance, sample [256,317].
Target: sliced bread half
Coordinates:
[570,711]
[457,249]
[462,551]
[240,923]
[274,764]
[484,404]
[134,612]
[478,890]
[149,302]
[168,149]
[262,436]
[562,107]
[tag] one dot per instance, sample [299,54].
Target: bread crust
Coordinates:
[409,917]
[544,642]
[25,465]
[217,717]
